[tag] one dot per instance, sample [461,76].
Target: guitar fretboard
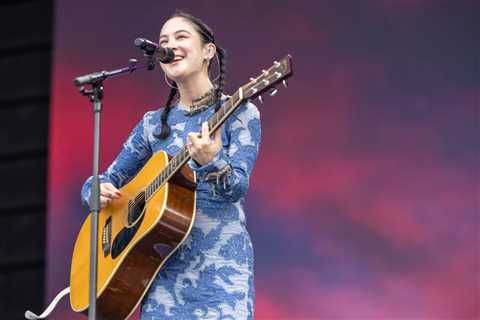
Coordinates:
[214,122]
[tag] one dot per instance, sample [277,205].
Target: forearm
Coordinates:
[226,179]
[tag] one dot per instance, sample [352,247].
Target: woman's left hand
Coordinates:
[202,148]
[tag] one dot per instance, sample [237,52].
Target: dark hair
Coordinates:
[206,35]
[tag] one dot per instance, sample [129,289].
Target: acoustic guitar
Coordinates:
[142,229]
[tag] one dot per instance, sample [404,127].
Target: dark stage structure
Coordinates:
[26,30]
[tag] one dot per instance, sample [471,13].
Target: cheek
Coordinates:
[194,54]
[197,60]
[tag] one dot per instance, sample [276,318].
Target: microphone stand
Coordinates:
[95,95]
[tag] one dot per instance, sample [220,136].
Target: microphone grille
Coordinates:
[138,42]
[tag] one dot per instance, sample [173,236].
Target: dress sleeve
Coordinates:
[229,172]
[133,155]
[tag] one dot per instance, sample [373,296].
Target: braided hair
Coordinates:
[206,36]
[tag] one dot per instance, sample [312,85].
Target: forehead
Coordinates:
[175,24]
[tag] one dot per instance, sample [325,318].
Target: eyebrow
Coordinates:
[178,31]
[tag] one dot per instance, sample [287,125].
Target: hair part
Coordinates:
[206,35]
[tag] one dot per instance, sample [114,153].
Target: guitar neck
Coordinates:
[267,80]
[214,123]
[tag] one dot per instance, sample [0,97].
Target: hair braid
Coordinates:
[168,106]
[221,80]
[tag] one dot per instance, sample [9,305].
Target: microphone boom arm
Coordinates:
[96,77]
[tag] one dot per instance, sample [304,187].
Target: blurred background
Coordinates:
[364,202]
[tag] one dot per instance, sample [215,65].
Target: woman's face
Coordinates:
[190,54]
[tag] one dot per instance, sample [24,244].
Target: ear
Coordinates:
[209,51]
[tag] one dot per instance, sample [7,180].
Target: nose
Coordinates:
[170,43]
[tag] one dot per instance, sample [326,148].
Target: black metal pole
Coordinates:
[97,96]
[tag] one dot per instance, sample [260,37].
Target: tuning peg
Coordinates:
[260,99]
[273,92]
[285,84]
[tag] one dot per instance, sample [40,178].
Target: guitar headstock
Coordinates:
[268,79]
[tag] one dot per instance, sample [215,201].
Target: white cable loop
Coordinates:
[32,316]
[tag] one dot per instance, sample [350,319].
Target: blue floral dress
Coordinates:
[210,276]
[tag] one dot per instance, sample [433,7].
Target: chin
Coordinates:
[177,74]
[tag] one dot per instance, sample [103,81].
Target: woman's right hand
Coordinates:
[108,192]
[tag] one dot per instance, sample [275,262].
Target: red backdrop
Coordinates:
[364,198]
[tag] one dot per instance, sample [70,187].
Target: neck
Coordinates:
[193,88]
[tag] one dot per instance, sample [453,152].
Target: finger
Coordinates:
[193,138]
[205,133]
[218,135]
[107,185]
[110,187]
[104,201]
[109,194]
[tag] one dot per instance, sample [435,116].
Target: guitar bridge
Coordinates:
[107,237]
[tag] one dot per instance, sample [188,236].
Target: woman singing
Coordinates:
[210,276]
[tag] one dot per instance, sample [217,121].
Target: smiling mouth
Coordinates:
[177,59]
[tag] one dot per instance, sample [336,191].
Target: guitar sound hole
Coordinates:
[124,237]
[134,218]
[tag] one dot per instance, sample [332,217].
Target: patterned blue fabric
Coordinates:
[211,275]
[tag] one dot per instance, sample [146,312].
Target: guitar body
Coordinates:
[131,252]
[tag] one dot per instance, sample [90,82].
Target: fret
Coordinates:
[234,98]
[174,164]
[222,110]
[230,108]
[227,106]
[169,170]
[165,174]
[162,176]
[211,123]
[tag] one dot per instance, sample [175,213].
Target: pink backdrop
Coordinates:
[364,198]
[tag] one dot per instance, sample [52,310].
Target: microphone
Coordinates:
[164,55]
